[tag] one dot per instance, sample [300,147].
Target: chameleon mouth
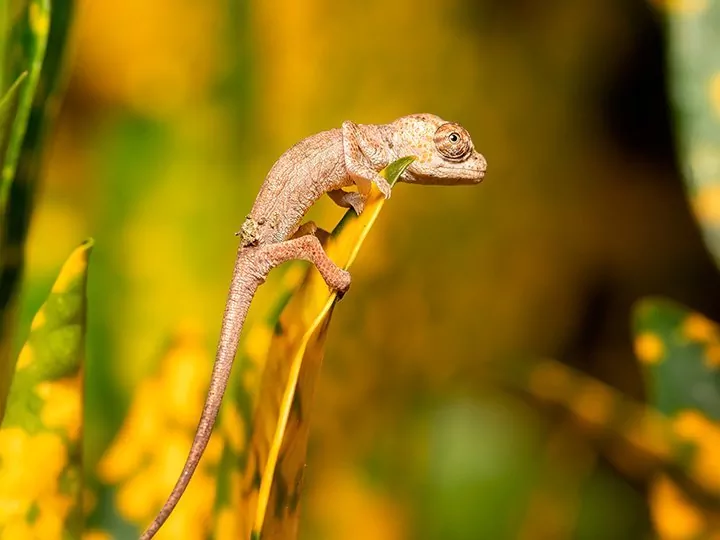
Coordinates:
[465,176]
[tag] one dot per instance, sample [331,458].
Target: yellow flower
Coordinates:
[227,526]
[149,453]
[63,405]
[695,427]
[697,327]
[675,518]
[594,402]
[30,469]
[649,348]
[232,426]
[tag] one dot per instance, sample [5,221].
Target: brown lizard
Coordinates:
[271,234]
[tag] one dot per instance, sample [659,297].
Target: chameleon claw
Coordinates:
[356,202]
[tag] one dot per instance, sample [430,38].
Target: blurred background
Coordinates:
[177,109]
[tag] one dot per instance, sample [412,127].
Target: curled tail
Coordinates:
[244,284]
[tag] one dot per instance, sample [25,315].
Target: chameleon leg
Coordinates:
[356,162]
[307,248]
[348,199]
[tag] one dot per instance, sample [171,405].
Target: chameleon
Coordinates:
[331,162]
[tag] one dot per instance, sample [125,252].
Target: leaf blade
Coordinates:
[694,81]
[303,329]
[38,43]
[679,351]
[42,428]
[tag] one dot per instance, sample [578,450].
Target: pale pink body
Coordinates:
[326,162]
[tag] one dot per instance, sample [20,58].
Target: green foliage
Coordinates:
[680,353]
[679,350]
[694,68]
[40,435]
[8,112]
[34,45]
[154,155]
[25,46]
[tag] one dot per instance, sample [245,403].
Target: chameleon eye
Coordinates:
[453,142]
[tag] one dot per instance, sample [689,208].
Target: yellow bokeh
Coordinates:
[50,521]
[136,495]
[649,348]
[233,427]
[593,402]
[96,535]
[551,380]
[169,44]
[682,6]
[141,425]
[62,407]
[25,358]
[674,516]
[648,431]
[30,471]
[228,519]
[39,19]
[149,452]
[257,342]
[226,525]
[355,511]
[183,383]
[697,327]
[712,356]
[697,428]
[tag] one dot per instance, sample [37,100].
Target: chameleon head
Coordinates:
[444,150]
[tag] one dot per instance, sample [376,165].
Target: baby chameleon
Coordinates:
[271,234]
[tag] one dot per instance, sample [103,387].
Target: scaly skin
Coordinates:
[323,163]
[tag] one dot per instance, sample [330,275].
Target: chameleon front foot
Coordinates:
[341,282]
[348,199]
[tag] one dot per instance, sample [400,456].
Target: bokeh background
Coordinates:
[177,109]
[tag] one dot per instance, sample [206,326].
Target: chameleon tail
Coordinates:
[244,285]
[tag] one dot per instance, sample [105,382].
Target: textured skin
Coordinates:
[272,234]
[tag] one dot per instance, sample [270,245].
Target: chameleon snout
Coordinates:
[477,167]
[482,165]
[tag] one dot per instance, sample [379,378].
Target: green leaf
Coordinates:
[26,45]
[8,111]
[694,77]
[35,45]
[679,351]
[394,171]
[260,476]
[680,354]
[40,435]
